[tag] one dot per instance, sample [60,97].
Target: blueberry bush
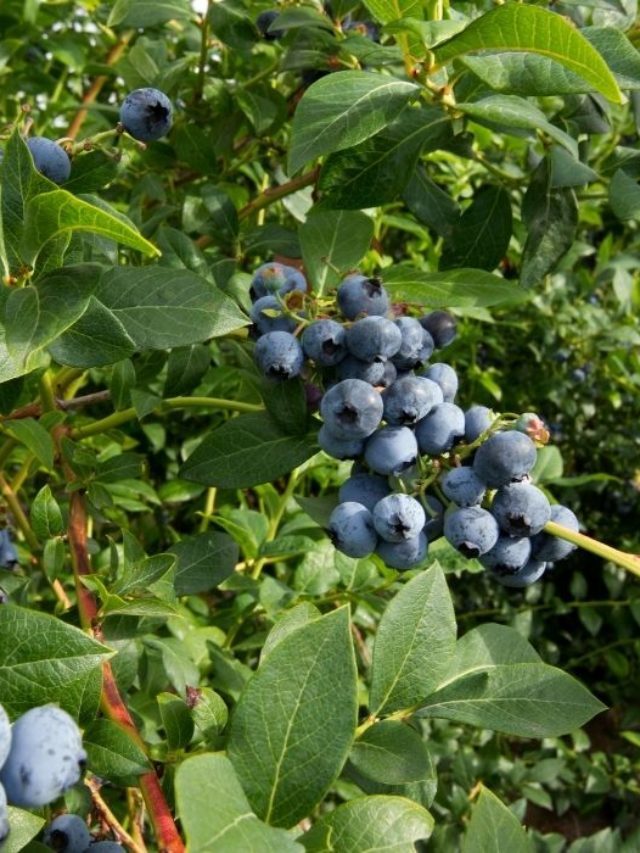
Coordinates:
[319,462]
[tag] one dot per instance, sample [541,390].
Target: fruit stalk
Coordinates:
[621,558]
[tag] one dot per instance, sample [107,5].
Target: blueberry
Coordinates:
[272,278]
[67,833]
[351,529]
[50,159]
[263,23]
[339,448]
[279,355]
[477,420]
[416,345]
[438,431]
[520,509]
[46,757]
[389,375]
[398,517]
[351,409]
[471,530]
[445,376]
[528,574]
[366,489]
[507,556]
[373,339]
[550,548]
[8,553]
[146,114]
[463,486]
[434,511]
[4,816]
[358,294]
[268,315]
[5,736]
[105,847]
[410,399]
[391,450]
[441,326]
[325,342]
[503,457]
[372,372]
[404,555]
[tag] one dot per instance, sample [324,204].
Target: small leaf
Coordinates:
[624,196]
[215,813]
[35,438]
[46,516]
[204,561]
[147,13]
[333,242]
[430,204]
[177,721]
[494,827]
[481,235]
[24,827]
[392,753]
[461,288]
[343,109]
[111,753]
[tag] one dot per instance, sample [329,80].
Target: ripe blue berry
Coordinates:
[373,339]
[528,574]
[507,556]
[445,376]
[477,419]
[8,553]
[279,355]
[5,735]
[276,278]
[50,159]
[146,114]
[351,529]
[46,757]
[550,548]
[409,399]
[504,456]
[263,23]
[4,816]
[391,450]
[416,345]
[438,431]
[366,489]
[441,326]
[404,555]
[358,294]
[67,833]
[520,509]
[325,342]
[472,531]
[339,448]
[398,517]
[463,486]
[372,372]
[351,409]
[434,511]
[268,315]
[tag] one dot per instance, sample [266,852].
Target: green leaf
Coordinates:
[24,827]
[481,235]
[509,111]
[386,11]
[245,451]
[204,561]
[415,640]
[515,27]
[430,204]
[370,824]
[549,465]
[297,711]
[494,827]
[185,368]
[343,109]
[210,714]
[177,721]
[45,514]
[140,575]
[112,754]
[461,288]
[35,438]
[392,753]
[376,171]
[96,338]
[43,660]
[147,13]
[290,621]
[286,402]
[624,196]
[216,815]
[551,218]
[55,213]
[333,242]
[497,681]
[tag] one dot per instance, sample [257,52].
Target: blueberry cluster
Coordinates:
[424,467]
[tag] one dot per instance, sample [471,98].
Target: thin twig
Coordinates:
[110,819]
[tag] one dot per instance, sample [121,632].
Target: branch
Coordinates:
[34,410]
[110,819]
[630,562]
[113,706]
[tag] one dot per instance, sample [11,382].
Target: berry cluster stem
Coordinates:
[630,562]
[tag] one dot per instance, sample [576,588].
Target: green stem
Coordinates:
[204,45]
[274,524]
[47,397]
[628,561]
[18,513]
[119,418]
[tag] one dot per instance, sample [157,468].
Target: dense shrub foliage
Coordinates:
[183,194]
